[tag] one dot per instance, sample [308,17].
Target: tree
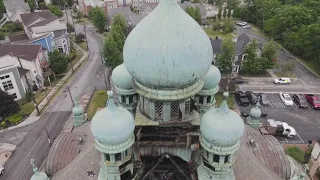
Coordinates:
[269,55]
[7,106]
[252,63]
[55,10]
[98,18]
[229,13]
[120,21]
[215,26]
[118,36]
[228,26]
[194,13]
[2,8]
[43,5]
[224,13]
[226,57]
[219,13]
[58,62]
[70,28]
[32,5]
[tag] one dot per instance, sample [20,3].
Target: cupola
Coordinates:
[37,175]
[121,77]
[212,78]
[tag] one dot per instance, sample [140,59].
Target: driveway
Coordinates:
[307,77]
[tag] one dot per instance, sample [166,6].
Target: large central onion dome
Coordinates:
[167,49]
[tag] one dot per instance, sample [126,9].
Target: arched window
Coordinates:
[159,110]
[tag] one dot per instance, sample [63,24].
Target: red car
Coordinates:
[313,100]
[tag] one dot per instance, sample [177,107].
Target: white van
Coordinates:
[282,80]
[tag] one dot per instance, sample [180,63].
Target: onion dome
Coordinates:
[37,175]
[212,78]
[112,125]
[167,49]
[121,77]
[221,126]
[77,110]
[256,111]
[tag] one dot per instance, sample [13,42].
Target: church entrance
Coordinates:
[165,167]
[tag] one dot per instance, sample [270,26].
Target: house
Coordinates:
[216,48]
[242,41]
[46,41]
[13,81]
[146,8]
[132,18]
[39,24]
[314,162]
[32,57]
[15,8]
[202,8]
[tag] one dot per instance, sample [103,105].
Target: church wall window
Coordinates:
[118,157]
[201,100]
[187,107]
[159,110]
[209,99]
[226,159]
[174,114]
[107,156]
[130,99]
[123,99]
[216,158]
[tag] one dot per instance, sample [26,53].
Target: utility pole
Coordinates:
[104,70]
[70,96]
[28,84]
[49,139]
[85,34]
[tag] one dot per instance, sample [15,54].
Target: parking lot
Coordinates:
[306,122]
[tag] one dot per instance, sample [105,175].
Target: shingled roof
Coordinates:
[18,37]
[25,51]
[30,18]
[12,5]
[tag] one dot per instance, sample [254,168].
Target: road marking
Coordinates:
[281,101]
[300,138]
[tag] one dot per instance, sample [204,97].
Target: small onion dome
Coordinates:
[172,53]
[256,111]
[121,77]
[77,110]
[112,125]
[221,126]
[212,78]
[38,175]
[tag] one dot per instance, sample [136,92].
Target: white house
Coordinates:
[15,8]
[40,23]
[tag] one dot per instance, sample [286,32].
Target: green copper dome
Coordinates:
[256,112]
[37,175]
[121,77]
[167,49]
[212,78]
[112,125]
[77,110]
[222,126]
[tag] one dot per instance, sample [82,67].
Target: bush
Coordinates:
[43,5]
[2,36]
[14,119]
[296,153]
[72,55]
[3,124]
[70,28]
[13,26]
[79,15]
[228,27]
[46,82]
[79,37]
[56,11]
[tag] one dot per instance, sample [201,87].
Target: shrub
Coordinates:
[3,124]
[102,92]
[14,119]
[296,153]
[46,82]
[70,28]
[43,5]
[56,11]
[79,37]
[2,36]
[79,15]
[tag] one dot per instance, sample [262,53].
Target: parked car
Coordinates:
[1,170]
[246,114]
[242,98]
[264,100]
[300,100]
[282,81]
[246,27]
[286,99]
[252,97]
[237,80]
[240,23]
[313,100]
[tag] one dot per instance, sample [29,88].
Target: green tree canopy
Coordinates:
[98,18]
[225,59]
[58,62]
[112,55]
[194,13]
[252,64]
[32,5]
[120,21]
[224,13]
[55,10]
[269,55]
[219,13]
[2,8]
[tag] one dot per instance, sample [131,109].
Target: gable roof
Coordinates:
[242,41]
[144,6]
[22,71]
[25,51]
[13,5]
[216,45]
[30,18]
[136,19]
[44,22]
[17,37]
[30,40]
[125,11]
[202,7]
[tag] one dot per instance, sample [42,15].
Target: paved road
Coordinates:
[35,144]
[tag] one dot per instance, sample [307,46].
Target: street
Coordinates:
[35,143]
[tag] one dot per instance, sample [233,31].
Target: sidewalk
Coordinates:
[33,117]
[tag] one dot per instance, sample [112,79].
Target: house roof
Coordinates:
[144,6]
[216,45]
[22,71]
[29,18]
[30,40]
[49,28]
[242,41]
[135,19]
[125,11]
[17,37]
[202,7]
[44,22]
[12,5]
[25,51]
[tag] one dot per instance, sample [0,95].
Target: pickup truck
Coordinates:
[313,100]
[242,98]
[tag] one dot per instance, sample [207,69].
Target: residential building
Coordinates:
[13,81]
[202,8]
[39,24]
[216,48]
[32,57]
[46,41]
[314,162]
[15,8]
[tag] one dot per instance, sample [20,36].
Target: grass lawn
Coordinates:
[75,60]
[296,153]
[98,100]
[213,34]
[26,109]
[284,74]
[219,98]
[83,45]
